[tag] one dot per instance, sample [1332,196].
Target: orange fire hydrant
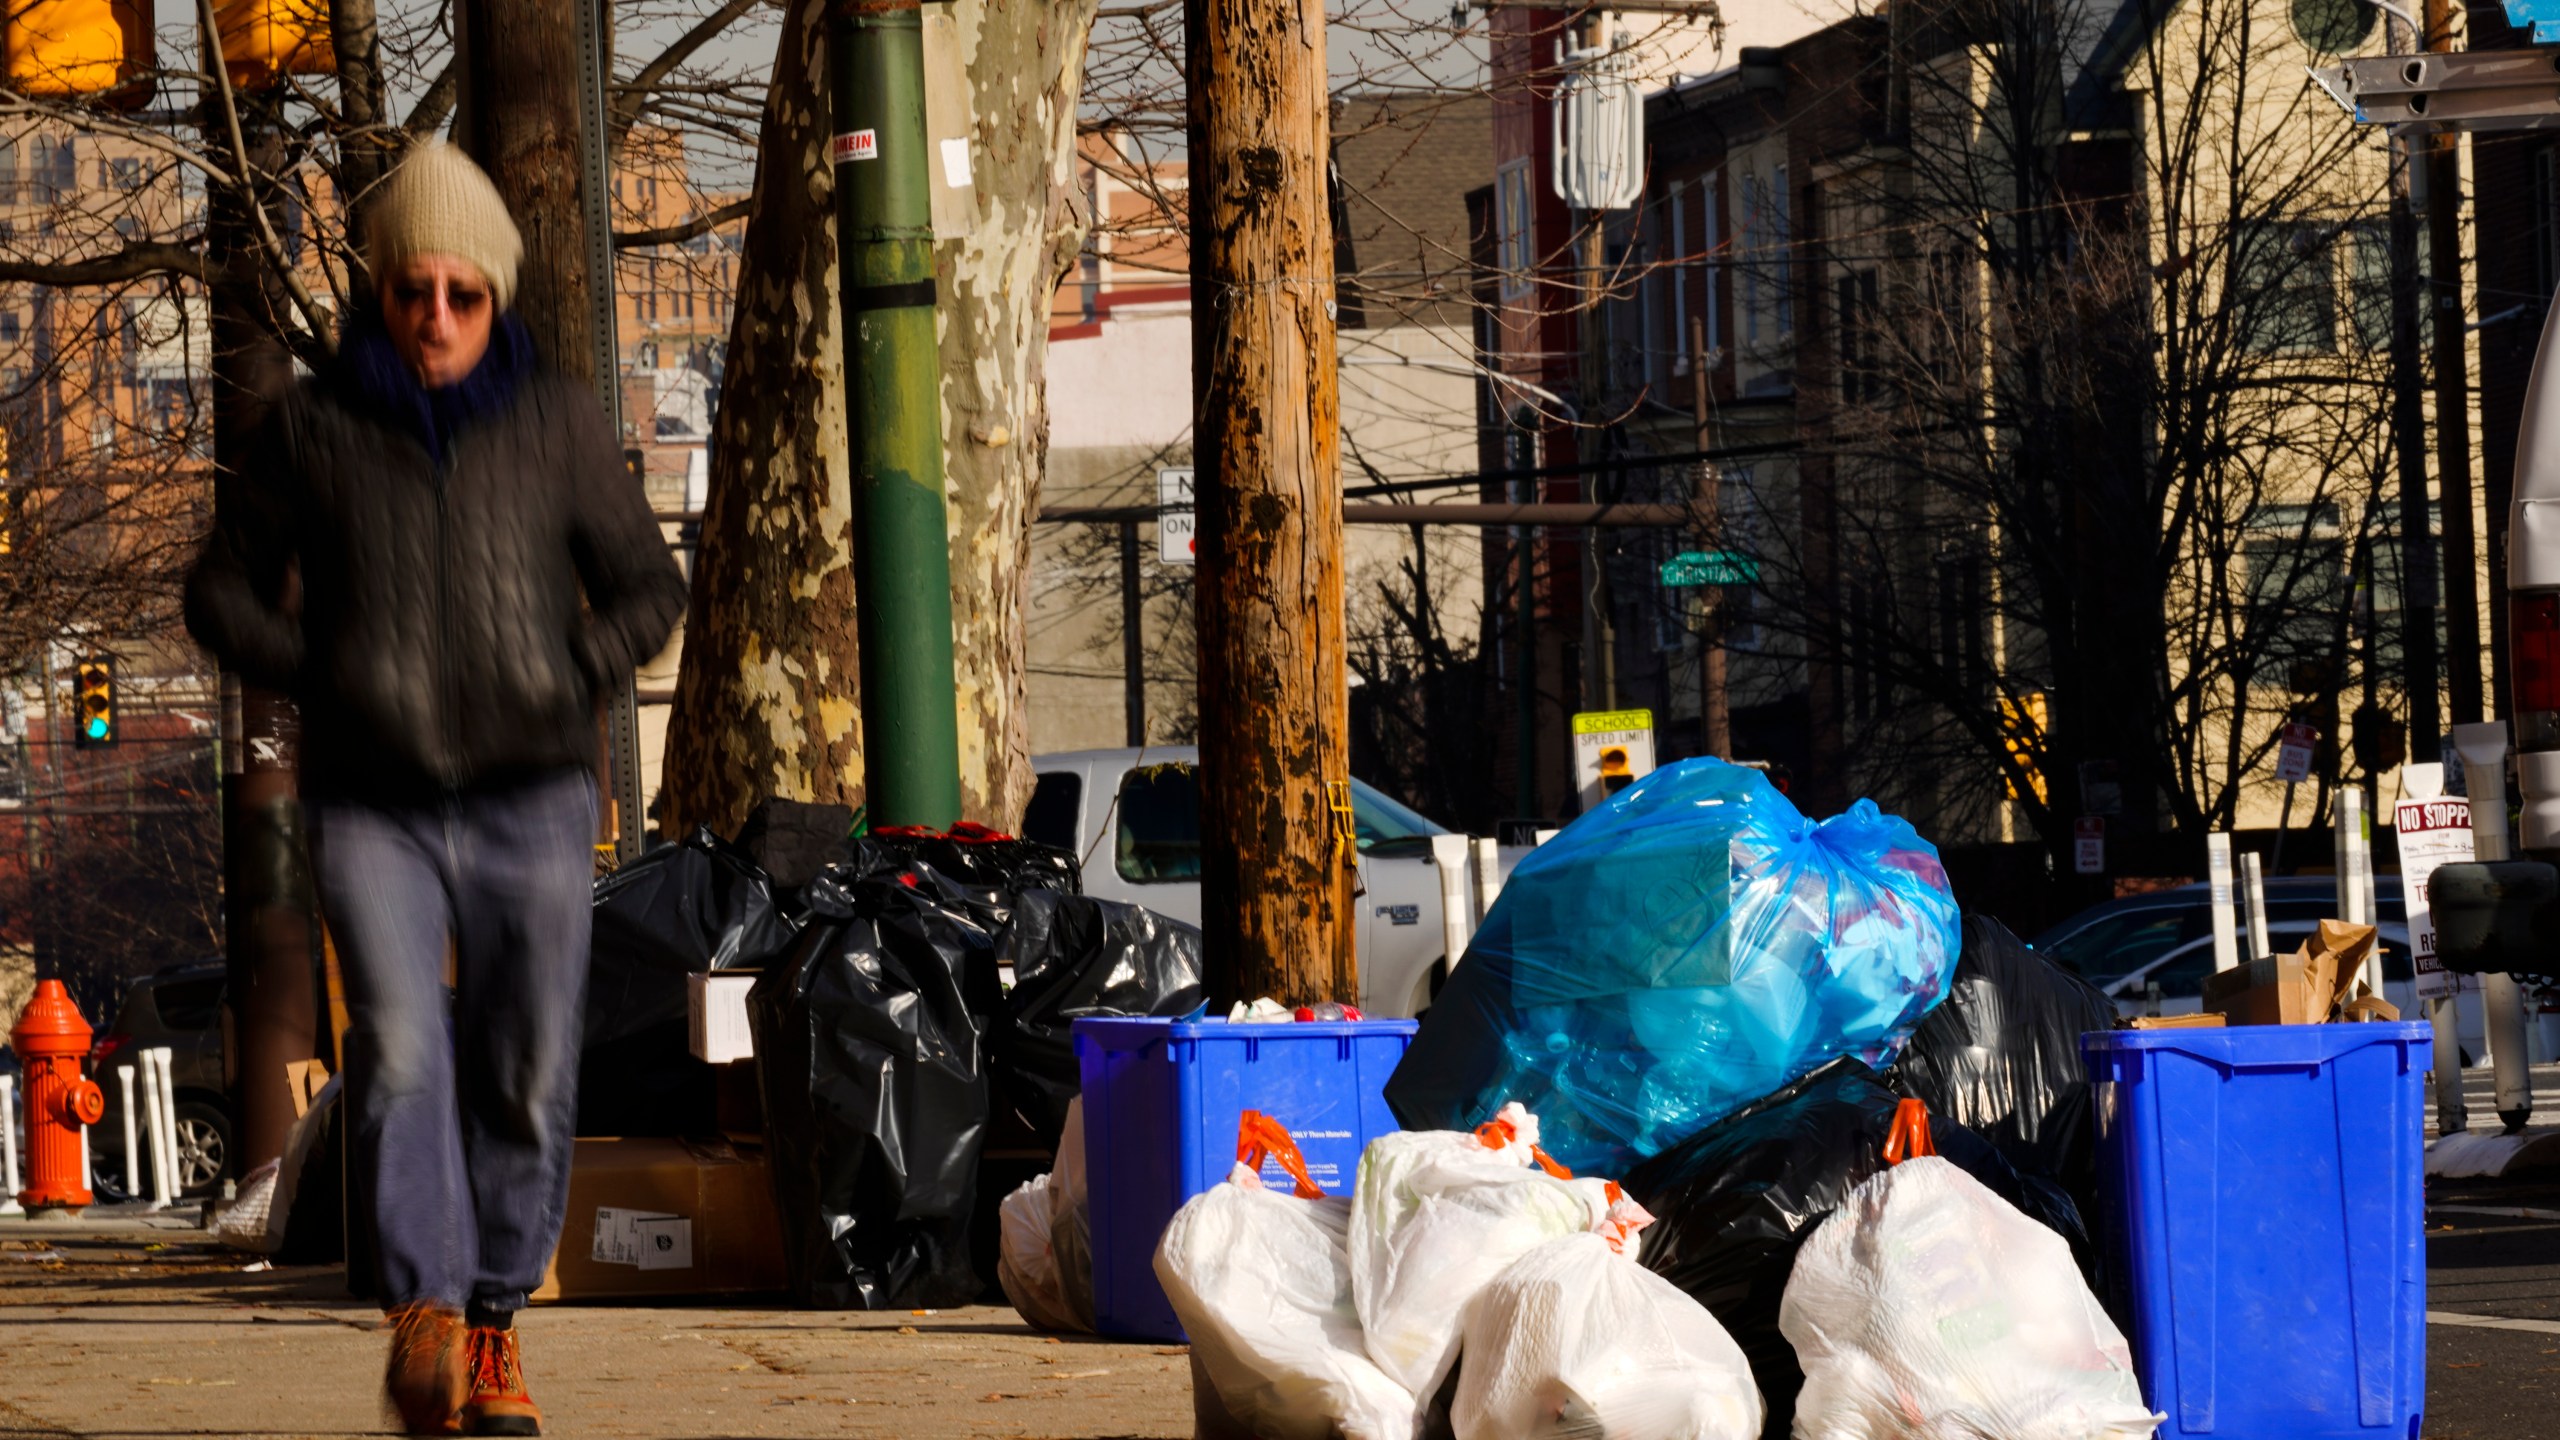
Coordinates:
[51,1040]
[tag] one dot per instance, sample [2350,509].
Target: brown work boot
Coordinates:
[425,1379]
[498,1403]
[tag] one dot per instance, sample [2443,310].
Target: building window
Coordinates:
[1856,294]
[8,327]
[1679,274]
[127,174]
[2369,284]
[1514,223]
[1782,235]
[1710,237]
[1766,315]
[2287,302]
[2295,559]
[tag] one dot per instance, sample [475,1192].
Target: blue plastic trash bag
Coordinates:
[1676,954]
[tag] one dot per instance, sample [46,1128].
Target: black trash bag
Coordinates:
[700,905]
[1075,957]
[2001,1057]
[1733,1202]
[792,840]
[984,869]
[875,1094]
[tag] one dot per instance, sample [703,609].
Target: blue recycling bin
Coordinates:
[1162,1099]
[2265,1194]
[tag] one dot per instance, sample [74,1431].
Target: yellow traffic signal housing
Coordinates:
[93,710]
[2024,720]
[264,39]
[80,47]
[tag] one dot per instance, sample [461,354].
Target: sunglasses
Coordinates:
[461,298]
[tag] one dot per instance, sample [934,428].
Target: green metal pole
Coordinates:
[893,413]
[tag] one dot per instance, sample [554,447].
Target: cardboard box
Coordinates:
[2303,988]
[666,1217]
[716,1015]
[2205,1020]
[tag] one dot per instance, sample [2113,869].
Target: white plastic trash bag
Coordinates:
[1262,1288]
[1025,1265]
[1435,1217]
[1070,1224]
[1928,1308]
[1576,1341]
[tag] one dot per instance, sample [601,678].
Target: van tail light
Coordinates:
[2534,643]
[106,1047]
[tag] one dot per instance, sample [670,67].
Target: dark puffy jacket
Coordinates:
[439,641]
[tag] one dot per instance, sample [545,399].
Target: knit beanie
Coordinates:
[439,203]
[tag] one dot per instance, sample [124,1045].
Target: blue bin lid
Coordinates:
[2252,1045]
[1119,1033]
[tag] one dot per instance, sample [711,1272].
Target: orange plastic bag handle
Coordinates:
[1910,1133]
[1498,1135]
[1260,1138]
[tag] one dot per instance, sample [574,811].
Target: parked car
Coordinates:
[180,1007]
[2166,937]
[1133,818]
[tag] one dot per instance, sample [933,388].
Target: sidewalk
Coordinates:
[154,1333]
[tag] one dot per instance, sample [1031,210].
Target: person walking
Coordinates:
[406,553]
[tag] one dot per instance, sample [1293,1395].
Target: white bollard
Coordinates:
[151,1128]
[1488,876]
[2226,931]
[1449,857]
[161,1059]
[2253,887]
[2352,863]
[132,1150]
[9,1144]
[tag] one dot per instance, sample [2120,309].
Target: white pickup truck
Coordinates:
[1133,818]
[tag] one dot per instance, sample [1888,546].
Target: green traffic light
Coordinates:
[97,727]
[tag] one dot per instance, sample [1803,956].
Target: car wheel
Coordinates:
[106,1180]
[204,1147]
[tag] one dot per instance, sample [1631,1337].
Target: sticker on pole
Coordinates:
[1612,749]
[860,145]
[2434,831]
[2293,752]
[2089,845]
[1177,538]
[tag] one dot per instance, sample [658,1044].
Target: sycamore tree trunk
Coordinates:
[1026,67]
[768,702]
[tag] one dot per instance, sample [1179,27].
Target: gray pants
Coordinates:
[463,1113]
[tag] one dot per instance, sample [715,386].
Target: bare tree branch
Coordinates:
[436,106]
[140,260]
[635,94]
[683,230]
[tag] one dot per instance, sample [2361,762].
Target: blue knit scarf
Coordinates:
[379,378]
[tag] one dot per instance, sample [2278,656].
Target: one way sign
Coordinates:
[1175,542]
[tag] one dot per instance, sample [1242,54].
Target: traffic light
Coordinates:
[264,39]
[2023,722]
[93,710]
[80,47]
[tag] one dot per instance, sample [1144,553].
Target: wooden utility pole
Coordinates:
[533,115]
[2442,171]
[1277,847]
[1716,711]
